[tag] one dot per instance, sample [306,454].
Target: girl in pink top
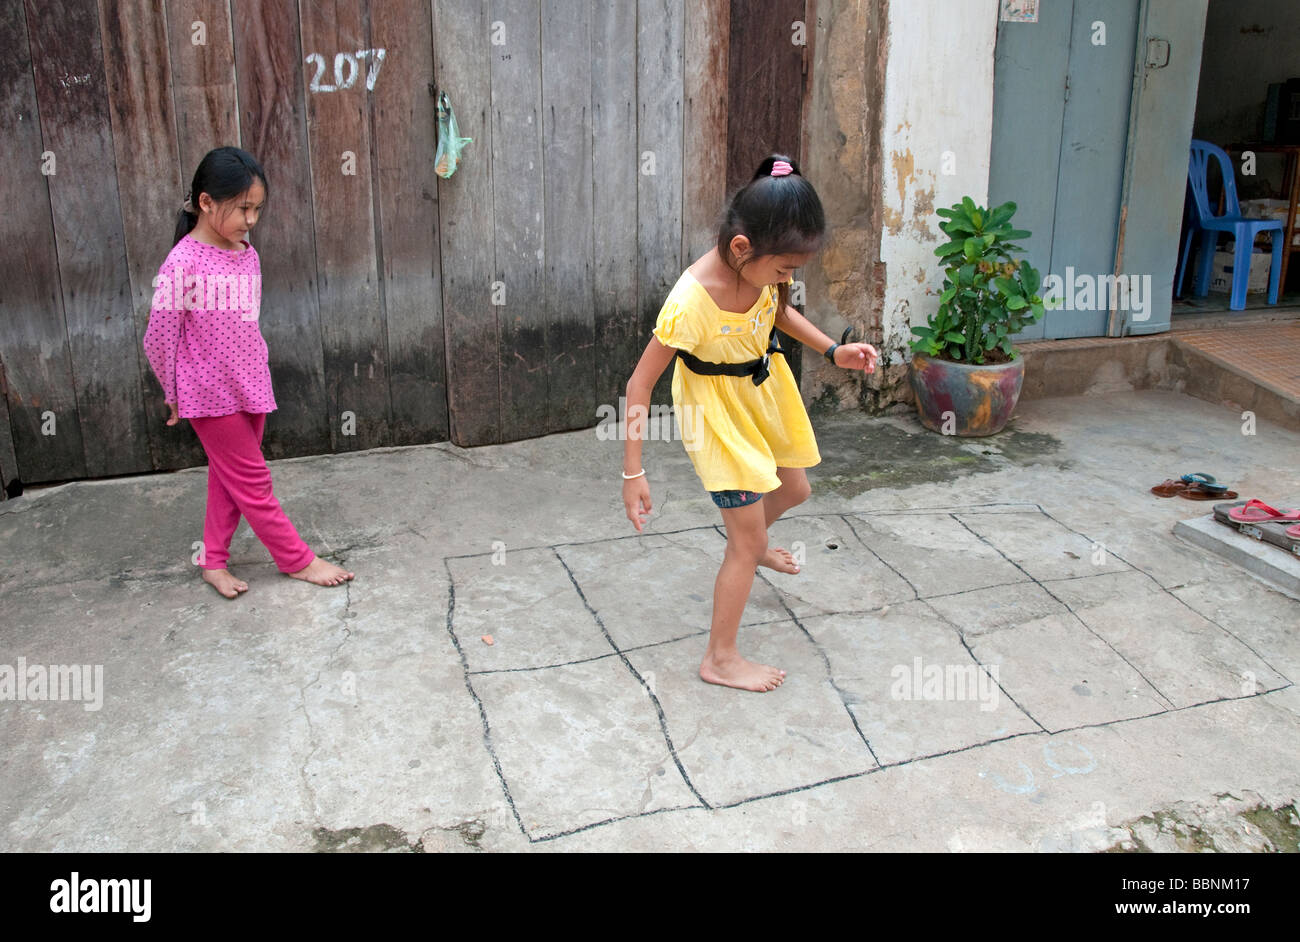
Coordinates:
[206,348]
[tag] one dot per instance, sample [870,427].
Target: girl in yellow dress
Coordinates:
[743,422]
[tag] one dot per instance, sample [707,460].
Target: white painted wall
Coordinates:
[938,99]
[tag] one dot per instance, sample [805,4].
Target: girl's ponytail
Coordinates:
[223,174]
[185,222]
[780,215]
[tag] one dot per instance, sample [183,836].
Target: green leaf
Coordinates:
[953,337]
[1018,234]
[1008,287]
[923,331]
[1000,215]
[1030,279]
[1016,303]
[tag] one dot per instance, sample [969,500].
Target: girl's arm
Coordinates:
[636,491]
[852,356]
[162,338]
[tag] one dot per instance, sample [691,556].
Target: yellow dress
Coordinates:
[737,434]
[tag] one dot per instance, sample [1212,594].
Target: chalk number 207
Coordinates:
[347,68]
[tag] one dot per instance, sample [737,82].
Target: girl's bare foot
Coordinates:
[224,582]
[319,572]
[740,673]
[780,560]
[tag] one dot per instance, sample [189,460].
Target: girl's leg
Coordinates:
[794,490]
[318,570]
[746,545]
[235,455]
[219,525]
[219,522]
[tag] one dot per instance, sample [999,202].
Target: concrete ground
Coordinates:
[994,644]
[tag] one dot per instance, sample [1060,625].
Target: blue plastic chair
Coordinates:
[1210,226]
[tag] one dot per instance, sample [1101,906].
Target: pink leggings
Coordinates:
[239,482]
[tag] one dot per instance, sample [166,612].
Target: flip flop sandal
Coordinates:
[1256,511]
[1200,492]
[1293,532]
[1169,488]
[1207,483]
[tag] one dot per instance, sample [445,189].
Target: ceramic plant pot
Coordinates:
[979,397]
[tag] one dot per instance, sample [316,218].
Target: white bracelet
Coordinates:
[629,477]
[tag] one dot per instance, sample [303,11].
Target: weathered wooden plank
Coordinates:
[765,85]
[403,140]
[272,123]
[33,339]
[619,338]
[340,66]
[201,54]
[143,117]
[518,209]
[659,53]
[202,58]
[567,175]
[704,176]
[471,322]
[68,64]
[765,97]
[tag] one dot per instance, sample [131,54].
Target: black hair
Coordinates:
[779,215]
[223,174]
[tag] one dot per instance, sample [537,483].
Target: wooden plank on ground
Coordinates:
[33,338]
[659,51]
[567,178]
[8,458]
[518,211]
[403,140]
[272,123]
[341,67]
[618,330]
[704,175]
[137,63]
[471,322]
[68,65]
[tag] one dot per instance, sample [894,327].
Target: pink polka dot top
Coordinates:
[204,341]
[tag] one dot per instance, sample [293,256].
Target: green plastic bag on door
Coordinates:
[450,143]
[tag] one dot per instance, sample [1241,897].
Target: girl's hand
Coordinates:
[636,500]
[172,417]
[857,356]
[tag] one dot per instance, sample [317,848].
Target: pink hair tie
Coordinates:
[781,168]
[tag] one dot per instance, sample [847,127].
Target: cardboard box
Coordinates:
[1269,209]
[1261,264]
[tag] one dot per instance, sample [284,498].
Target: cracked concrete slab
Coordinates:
[1138,677]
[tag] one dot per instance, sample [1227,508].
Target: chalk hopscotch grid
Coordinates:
[847,518]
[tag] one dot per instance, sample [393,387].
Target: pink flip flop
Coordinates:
[1256,511]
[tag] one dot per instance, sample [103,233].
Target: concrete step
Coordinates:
[1096,365]
[1273,564]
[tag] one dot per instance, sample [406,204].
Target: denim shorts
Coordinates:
[729,499]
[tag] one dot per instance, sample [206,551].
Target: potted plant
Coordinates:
[966,374]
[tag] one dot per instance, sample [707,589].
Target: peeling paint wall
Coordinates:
[841,157]
[896,84]
[938,125]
